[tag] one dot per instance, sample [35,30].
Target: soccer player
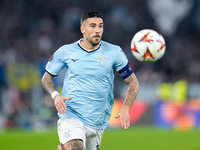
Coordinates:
[86,103]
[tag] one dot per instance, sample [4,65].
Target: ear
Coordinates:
[82,29]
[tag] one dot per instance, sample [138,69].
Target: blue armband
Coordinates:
[126,71]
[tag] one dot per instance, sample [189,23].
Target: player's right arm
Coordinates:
[47,82]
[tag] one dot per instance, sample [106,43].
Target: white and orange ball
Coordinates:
[148,45]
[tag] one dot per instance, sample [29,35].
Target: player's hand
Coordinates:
[60,104]
[124,117]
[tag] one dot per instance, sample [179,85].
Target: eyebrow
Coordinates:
[95,23]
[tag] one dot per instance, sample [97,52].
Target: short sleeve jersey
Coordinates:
[88,80]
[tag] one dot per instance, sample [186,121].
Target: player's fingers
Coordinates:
[117,116]
[58,108]
[67,98]
[63,104]
[61,107]
[127,123]
[124,124]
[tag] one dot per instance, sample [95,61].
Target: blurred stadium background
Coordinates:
[31,30]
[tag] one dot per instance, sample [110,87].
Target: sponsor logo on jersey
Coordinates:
[74,60]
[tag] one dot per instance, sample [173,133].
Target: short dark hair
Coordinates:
[91,14]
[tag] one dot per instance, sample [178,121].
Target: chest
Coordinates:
[96,64]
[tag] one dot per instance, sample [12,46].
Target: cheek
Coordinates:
[102,31]
[88,32]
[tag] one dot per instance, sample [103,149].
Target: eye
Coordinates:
[92,25]
[101,25]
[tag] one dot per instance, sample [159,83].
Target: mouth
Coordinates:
[97,36]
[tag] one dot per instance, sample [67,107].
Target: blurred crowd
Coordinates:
[31,30]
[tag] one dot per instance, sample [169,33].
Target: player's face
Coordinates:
[92,30]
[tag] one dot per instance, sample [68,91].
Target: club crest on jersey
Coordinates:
[67,135]
[102,60]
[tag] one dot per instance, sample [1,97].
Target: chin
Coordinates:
[96,42]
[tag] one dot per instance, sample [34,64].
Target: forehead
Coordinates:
[94,20]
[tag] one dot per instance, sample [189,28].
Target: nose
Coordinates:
[98,30]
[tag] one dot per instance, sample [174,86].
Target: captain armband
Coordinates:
[126,71]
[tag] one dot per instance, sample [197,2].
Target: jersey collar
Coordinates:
[89,51]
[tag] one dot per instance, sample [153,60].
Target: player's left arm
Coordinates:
[133,89]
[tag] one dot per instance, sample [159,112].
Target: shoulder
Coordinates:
[67,48]
[109,45]
[113,50]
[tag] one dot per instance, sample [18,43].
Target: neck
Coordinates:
[88,46]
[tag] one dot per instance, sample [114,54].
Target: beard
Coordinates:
[95,40]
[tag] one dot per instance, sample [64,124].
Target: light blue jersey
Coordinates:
[88,80]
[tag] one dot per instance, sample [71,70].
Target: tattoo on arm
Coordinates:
[47,82]
[133,88]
